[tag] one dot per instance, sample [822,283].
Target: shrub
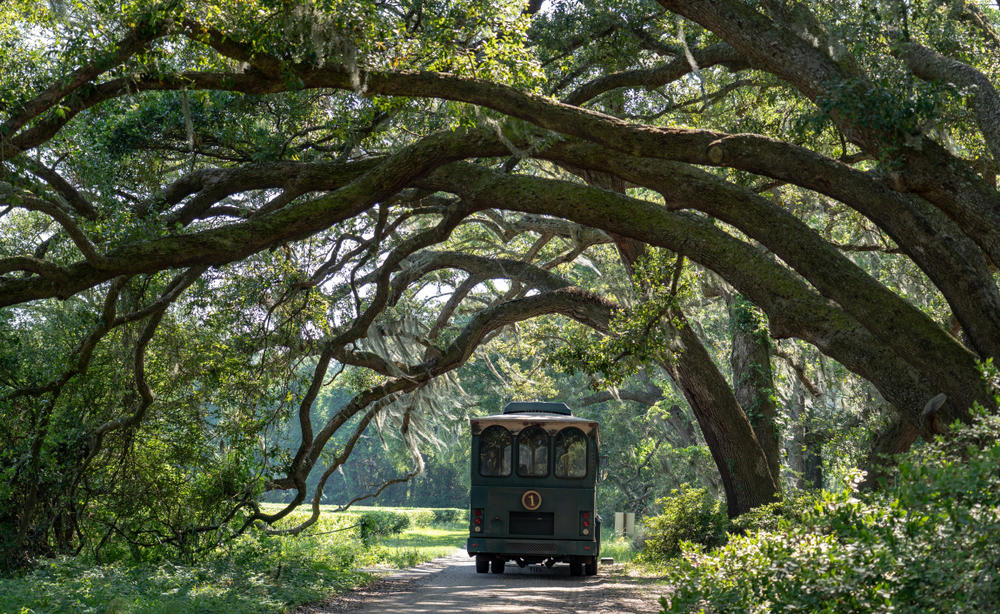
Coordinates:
[793,508]
[690,514]
[930,544]
[375,524]
[449,515]
[420,517]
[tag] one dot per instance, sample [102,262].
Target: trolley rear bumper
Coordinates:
[515,548]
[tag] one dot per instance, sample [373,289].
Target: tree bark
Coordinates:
[750,360]
[926,168]
[794,444]
[742,464]
[793,308]
[935,244]
[729,435]
[812,449]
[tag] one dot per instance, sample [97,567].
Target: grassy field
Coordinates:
[255,574]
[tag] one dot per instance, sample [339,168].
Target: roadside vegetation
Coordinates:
[928,542]
[257,256]
[254,574]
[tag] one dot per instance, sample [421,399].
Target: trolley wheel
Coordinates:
[591,568]
[498,565]
[482,564]
[576,569]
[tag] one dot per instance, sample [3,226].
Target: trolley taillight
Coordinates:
[477,520]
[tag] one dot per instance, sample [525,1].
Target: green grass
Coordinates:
[255,574]
[620,549]
[442,538]
[635,563]
[419,544]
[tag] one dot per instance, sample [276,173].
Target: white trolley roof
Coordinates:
[552,423]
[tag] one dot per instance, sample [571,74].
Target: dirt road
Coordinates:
[450,585]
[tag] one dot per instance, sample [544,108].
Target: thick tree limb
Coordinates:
[80,205]
[927,168]
[238,240]
[646,397]
[637,140]
[478,266]
[28,201]
[885,314]
[135,41]
[927,236]
[310,448]
[43,268]
[793,308]
[574,303]
[983,100]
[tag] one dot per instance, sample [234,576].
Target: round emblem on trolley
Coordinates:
[531,500]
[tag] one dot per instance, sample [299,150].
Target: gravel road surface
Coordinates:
[450,585]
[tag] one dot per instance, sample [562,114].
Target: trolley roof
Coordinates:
[537,407]
[551,422]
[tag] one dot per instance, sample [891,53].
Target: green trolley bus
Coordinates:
[534,489]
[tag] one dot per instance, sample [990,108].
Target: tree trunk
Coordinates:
[742,463]
[795,447]
[730,438]
[812,452]
[752,381]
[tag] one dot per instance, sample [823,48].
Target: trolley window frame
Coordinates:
[586,453]
[548,453]
[510,453]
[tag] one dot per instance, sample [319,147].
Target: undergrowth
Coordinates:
[254,574]
[930,542]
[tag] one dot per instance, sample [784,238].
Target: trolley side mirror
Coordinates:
[603,473]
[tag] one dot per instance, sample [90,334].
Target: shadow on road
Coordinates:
[555,573]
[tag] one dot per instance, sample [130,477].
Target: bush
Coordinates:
[375,524]
[449,515]
[255,573]
[795,506]
[690,514]
[930,544]
[420,517]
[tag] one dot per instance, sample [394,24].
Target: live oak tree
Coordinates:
[211,209]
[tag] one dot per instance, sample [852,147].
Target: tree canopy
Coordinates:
[210,211]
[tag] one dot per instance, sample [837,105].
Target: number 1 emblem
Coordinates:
[531,500]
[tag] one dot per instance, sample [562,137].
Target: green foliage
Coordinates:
[930,543]
[375,524]
[749,318]
[621,549]
[446,515]
[639,335]
[255,574]
[383,522]
[688,515]
[421,517]
[793,508]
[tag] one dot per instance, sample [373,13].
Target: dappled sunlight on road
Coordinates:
[450,585]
